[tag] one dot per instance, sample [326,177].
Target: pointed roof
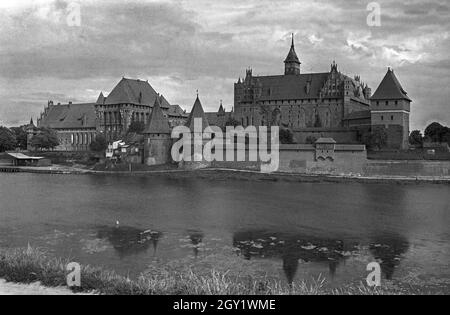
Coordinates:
[31,121]
[129,91]
[197,112]
[221,110]
[390,89]
[292,55]
[158,123]
[101,99]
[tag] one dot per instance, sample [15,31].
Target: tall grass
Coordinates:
[32,265]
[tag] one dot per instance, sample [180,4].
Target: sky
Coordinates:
[50,52]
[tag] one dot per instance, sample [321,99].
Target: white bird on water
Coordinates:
[117,223]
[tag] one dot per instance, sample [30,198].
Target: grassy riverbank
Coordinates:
[30,265]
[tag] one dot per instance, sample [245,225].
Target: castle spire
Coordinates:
[292,63]
[197,112]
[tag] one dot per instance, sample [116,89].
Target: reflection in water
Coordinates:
[196,238]
[389,250]
[292,248]
[129,240]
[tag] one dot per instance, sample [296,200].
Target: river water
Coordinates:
[287,231]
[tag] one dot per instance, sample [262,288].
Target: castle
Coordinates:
[328,104]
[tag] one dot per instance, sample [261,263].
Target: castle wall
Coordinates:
[407,168]
[75,140]
[348,159]
[294,114]
[302,158]
[338,134]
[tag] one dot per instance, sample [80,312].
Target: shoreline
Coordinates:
[239,174]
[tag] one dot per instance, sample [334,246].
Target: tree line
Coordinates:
[17,138]
[435,132]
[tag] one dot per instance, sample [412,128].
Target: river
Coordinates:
[289,231]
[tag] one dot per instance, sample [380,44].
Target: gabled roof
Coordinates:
[197,112]
[158,123]
[291,87]
[101,99]
[69,116]
[292,55]
[390,89]
[137,92]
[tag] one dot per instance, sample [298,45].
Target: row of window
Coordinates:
[82,138]
[382,117]
[387,103]
[110,118]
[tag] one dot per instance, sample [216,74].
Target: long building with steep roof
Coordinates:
[130,100]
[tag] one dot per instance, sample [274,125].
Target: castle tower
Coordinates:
[30,130]
[196,157]
[157,143]
[390,108]
[292,63]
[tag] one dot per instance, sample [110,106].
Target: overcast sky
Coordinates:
[184,45]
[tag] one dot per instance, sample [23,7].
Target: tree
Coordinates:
[286,136]
[435,132]
[21,137]
[45,138]
[7,139]
[377,139]
[136,127]
[415,138]
[99,144]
